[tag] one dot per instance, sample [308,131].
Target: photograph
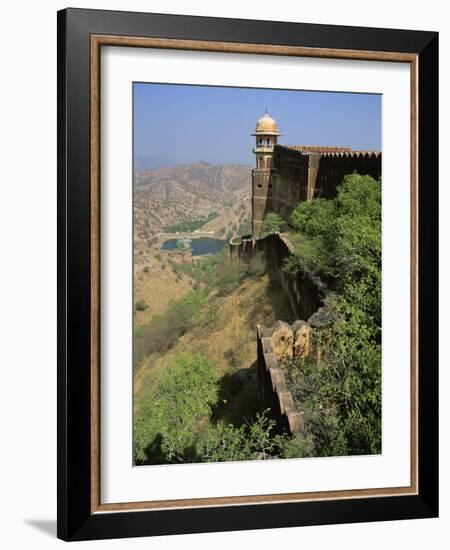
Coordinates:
[247,272]
[257,271]
[221,275]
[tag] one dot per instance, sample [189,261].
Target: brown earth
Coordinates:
[229,341]
[165,196]
[156,284]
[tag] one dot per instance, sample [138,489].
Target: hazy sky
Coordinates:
[177,124]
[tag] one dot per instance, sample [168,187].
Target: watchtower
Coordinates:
[266,135]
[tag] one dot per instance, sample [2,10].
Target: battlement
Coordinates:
[297,173]
[275,344]
[325,150]
[317,148]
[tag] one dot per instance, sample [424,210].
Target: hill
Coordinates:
[166,196]
[227,339]
[218,196]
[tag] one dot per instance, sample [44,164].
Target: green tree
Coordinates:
[272,223]
[172,423]
[167,423]
[164,330]
[339,241]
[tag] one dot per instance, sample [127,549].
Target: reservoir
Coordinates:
[199,247]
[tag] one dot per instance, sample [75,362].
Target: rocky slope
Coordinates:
[166,196]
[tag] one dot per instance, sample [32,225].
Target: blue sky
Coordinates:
[177,124]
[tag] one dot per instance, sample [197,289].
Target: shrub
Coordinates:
[229,276]
[167,423]
[257,264]
[245,228]
[202,271]
[340,238]
[257,440]
[164,330]
[272,223]
[141,306]
[171,425]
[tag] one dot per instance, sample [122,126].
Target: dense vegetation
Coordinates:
[173,423]
[339,241]
[190,225]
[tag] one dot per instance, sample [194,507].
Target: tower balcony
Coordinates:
[272,170]
[263,149]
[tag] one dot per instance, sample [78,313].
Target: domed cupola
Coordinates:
[266,126]
[266,134]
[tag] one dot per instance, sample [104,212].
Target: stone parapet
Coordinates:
[271,380]
[305,294]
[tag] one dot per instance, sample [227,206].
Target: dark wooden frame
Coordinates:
[81,33]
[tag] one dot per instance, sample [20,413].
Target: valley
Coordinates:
[177,197]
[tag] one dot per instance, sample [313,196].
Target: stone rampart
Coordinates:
[305,294]
[301,173]
[276,344]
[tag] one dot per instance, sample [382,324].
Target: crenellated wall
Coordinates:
[241,248]
[274,344]
[333,167]
[301,173]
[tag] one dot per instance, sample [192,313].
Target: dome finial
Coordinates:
[266,125]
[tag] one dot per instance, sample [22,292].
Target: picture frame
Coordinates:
[81,36]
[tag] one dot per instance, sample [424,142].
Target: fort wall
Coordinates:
[282,342]
[284,177]
[301,173]
[277,347]
[305,294]
[273,391]
[333,167]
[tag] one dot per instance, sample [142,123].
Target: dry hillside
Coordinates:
[229,341]
[166,196]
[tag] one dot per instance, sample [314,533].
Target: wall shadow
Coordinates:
[238,397]
[46,526]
